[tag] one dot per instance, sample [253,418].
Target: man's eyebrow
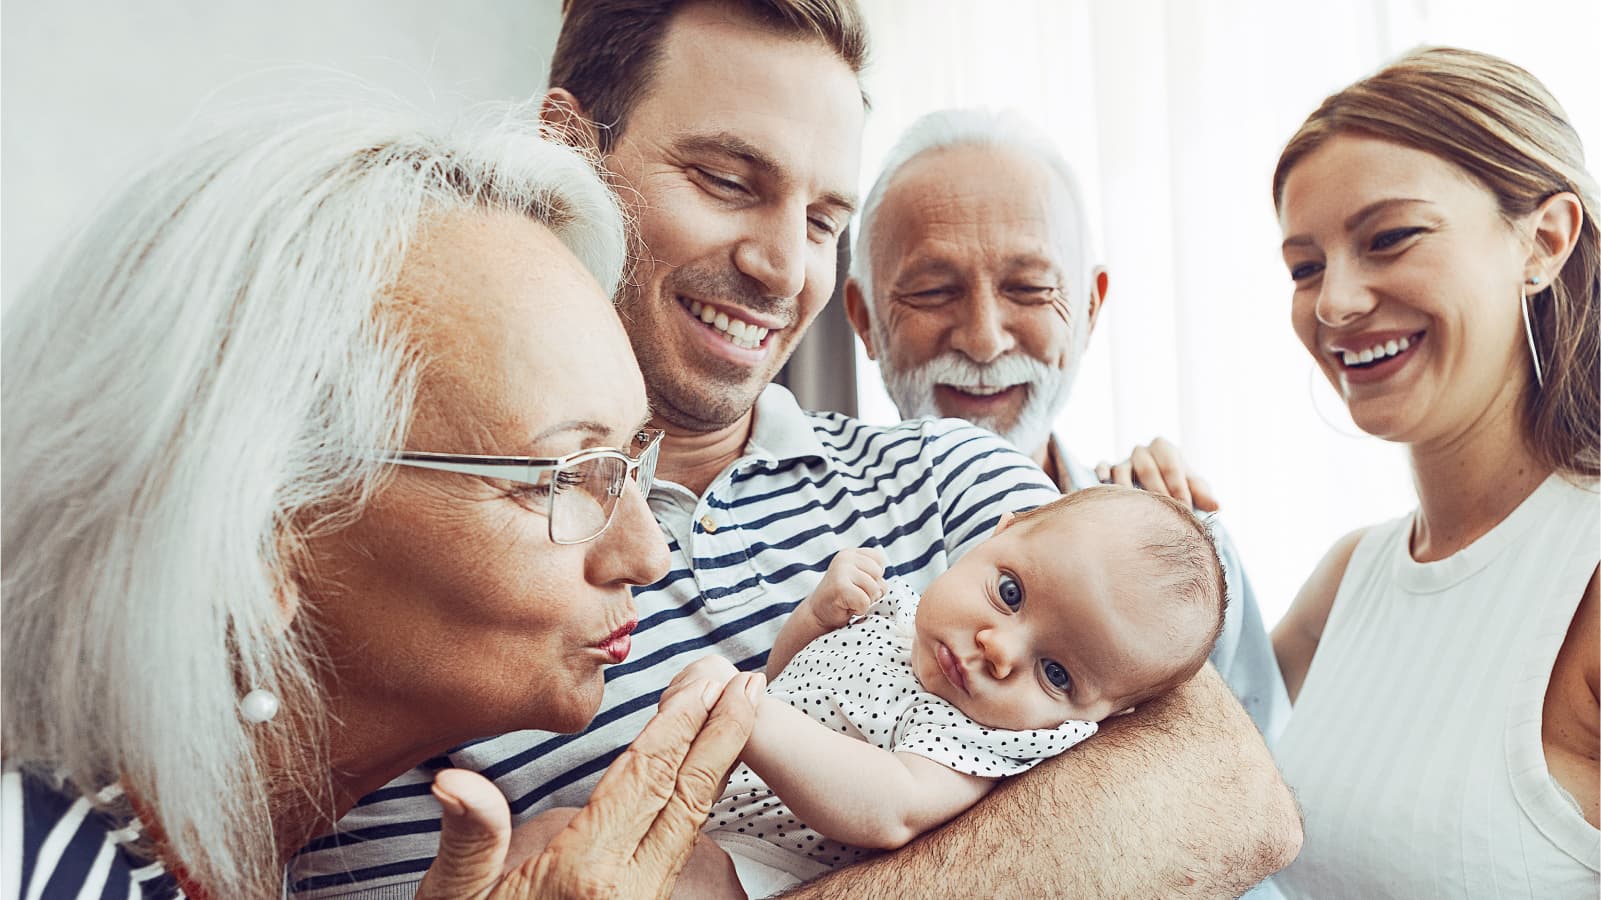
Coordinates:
[926,266]
[733,145]
[1018,261]
[842,202]
[1355,220]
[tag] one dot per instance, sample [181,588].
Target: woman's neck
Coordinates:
[365,753]
[1469,483]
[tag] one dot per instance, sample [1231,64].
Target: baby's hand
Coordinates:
[709,673]
[853,582]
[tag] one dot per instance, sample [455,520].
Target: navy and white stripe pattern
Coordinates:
[743,555]
[57,843]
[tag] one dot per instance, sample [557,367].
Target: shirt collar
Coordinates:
[1077,475]
[781,430]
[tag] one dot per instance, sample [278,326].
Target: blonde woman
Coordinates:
[1440,230]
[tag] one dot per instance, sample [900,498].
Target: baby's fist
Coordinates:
[853,582]
[709,673]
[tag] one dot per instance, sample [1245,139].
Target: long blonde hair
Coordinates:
[1502,127]
[193,389]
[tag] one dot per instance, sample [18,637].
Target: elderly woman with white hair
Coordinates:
[324,454]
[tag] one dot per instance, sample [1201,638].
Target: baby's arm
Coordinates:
[850,790]
[854,580]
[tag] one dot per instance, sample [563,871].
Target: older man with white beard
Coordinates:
[974,286]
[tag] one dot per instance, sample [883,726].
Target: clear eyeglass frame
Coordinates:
[585,486]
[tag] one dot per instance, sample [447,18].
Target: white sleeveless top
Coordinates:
[1415,745]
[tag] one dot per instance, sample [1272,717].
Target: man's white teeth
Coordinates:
[980,391]
[1376,352]
[739,333]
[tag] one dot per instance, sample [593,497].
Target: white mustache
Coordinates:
[955,370]
[913,390]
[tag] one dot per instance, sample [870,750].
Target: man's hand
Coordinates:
[639,826]
[1158,467]
[854,581]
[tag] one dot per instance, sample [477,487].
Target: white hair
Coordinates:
[1003,129]
[192,390]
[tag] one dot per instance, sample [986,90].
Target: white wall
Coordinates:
[91,85]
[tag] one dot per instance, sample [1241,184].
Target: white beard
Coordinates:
[1047,387]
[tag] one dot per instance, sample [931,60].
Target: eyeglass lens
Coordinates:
[586,494]
[584,497]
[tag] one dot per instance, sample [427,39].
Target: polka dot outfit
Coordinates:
[858,681]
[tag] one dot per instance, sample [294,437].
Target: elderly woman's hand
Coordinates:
[641,822]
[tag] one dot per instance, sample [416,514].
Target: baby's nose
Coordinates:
[999,654]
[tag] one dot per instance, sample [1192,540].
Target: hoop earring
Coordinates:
[1528,330]
[1314,377]
[258,706]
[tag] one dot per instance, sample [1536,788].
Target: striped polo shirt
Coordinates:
[743,555]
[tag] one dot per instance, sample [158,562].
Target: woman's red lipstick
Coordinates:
[617,644]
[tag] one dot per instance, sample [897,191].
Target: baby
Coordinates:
[888,714]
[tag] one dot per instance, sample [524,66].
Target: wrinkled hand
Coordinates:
[1158,467]
[853,582]
[641,822]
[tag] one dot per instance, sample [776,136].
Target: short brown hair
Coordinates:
[1185,566]
[1502,127]
[607,52]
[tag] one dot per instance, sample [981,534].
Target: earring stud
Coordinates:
[258,706]
[1534,279]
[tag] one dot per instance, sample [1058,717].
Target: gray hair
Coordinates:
[1004,129]
[192,390]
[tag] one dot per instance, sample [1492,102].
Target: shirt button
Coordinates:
[707,525]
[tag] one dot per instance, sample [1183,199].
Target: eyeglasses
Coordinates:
[583,487]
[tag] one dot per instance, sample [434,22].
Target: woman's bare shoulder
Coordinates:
[1296,637]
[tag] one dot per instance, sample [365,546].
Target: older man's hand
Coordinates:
[1158,467]
[638,828]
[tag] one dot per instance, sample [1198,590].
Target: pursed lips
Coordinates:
[617,644]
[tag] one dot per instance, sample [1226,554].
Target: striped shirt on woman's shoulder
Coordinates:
[58,842]
[743,555]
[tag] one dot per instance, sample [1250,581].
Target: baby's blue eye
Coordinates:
[1057,675]
[1011,592]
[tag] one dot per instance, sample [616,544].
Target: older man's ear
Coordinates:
[861,320]
[564,119]
[1099,282]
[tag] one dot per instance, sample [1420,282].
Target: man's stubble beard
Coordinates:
[699,395]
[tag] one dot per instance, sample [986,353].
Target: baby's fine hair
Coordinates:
[1180,549]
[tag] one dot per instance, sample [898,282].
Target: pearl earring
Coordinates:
[258,706]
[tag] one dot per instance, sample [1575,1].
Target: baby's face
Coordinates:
[1047,621]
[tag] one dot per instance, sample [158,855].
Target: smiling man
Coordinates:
[732,130]
[976,288]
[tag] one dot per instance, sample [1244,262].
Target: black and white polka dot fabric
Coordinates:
[858,680]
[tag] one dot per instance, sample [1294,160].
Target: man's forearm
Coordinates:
[1180,799]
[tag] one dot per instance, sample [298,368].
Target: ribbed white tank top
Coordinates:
[1414,747]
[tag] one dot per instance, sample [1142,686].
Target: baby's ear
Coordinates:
[1121,712]
[1005,522]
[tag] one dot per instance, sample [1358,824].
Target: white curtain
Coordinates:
[1174,114]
